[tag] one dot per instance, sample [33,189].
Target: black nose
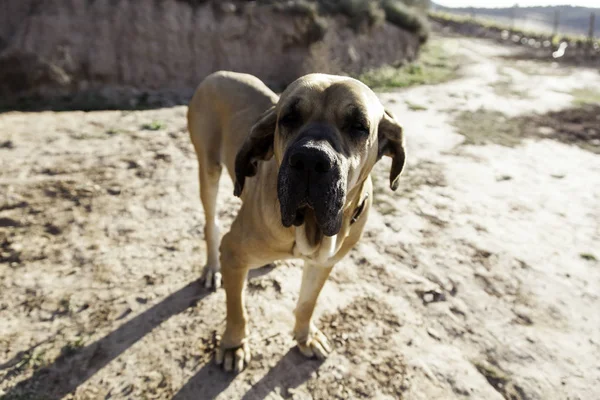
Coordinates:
[310,160]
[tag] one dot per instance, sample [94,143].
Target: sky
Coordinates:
[522,3]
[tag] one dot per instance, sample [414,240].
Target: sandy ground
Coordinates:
[477,279]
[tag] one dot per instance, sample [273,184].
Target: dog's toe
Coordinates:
[211,278]
[316,345]
[235,359]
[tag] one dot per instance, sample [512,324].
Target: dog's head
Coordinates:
[326,133]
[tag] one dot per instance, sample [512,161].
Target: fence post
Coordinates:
[512,19]
[592,31]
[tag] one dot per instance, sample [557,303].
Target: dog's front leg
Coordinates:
[233,352]
[311,341]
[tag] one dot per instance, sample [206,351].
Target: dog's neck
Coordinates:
[311,244]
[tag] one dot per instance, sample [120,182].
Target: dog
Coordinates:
[301,165]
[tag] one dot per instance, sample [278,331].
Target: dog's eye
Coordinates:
[356,123]
[291,118]
[358,128]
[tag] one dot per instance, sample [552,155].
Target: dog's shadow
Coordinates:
[68,372]
[291,371]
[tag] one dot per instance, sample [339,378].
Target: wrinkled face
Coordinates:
[325,144]
[327,133]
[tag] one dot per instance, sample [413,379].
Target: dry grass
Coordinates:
[586,96]
[576,126]
[436,64]
[484,127]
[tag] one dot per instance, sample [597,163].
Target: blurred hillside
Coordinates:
[571,20]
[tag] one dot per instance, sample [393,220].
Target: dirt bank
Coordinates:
[148,53]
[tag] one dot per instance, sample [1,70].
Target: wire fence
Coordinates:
[562,33]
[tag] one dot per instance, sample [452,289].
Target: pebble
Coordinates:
[433,333]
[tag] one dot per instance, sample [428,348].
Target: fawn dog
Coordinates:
[301,164]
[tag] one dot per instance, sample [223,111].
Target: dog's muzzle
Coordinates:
[311,176]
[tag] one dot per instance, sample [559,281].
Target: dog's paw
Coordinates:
[211,278]
[315,344]
[233,359]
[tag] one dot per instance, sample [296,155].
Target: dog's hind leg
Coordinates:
[210,173]
[205,134]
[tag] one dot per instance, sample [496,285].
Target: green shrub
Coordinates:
[409,15]
[301,7]
[406,17]
[359,12]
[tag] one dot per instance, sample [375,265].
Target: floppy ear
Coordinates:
[391,144]
[257,146]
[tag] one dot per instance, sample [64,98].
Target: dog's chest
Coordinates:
[322,252]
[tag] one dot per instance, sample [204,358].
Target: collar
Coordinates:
[359,210]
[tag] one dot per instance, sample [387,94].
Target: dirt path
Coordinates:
[477,279]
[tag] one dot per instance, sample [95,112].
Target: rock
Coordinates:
[431,296]
[114,190]
[22,72]
[6,222]
[7,144]
[53,229]
[433,333]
